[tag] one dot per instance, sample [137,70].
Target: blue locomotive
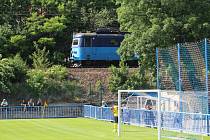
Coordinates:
[95,49]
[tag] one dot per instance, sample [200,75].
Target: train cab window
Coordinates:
[87,42]
[106,42]
[75,42]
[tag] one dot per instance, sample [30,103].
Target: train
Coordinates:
[97,49]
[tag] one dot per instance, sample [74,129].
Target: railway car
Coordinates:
[95,49]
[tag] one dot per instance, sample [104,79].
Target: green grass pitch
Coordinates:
[70,129]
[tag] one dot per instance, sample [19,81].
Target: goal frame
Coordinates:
[139,91]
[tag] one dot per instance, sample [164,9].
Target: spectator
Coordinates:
[149,117]
[45,104]
[104,104]
[39,102]
[24,104]
[30,103]
[4,103]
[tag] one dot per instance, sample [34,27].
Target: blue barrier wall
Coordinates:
[178,121]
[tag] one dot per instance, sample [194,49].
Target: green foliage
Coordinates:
[6,73]
[46,41]
[160,23]
[34,24]
[40,59]
[5,33]
[58,72]
[52,83]
[19,69]
[12,70]
[37,80]
[95,19]
[122,78]
[54,24]
[118,78]
[17,38]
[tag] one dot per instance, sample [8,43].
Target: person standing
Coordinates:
[115,113]
[104,104]
[4,103]
[30,103]
[24,104]
[39,104]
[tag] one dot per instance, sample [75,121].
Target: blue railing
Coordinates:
[20,112]
[178,121]
[100,113]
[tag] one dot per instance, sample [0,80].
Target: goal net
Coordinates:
[183,115]
[163,114]
[137,112]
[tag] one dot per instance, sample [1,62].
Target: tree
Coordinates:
[160,23]
[123,78]
[40,59]
[38,29]
[50,23]
[6,73]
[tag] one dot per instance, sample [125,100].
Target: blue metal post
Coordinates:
[207,89]
[206,63]
[180,80]
[157,67]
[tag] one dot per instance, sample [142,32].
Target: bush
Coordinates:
[37,80]
[53,84]
[6,73]
[58,72]
[19,69]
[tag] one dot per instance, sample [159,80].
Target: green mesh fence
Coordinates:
[193,68]
[185,67]
[168,74]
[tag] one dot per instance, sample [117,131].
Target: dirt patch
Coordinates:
[89,77]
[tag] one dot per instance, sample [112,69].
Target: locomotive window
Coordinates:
[75,42]
[106,42]
[87,42]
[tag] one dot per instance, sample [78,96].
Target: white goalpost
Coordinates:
[176,115]
[137,91]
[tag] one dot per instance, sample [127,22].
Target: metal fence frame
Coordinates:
[20,112]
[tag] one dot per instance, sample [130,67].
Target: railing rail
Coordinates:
[21,112]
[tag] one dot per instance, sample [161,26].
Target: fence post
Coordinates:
[101,113]
[180,80]
[157,67]
[95,113]
[6,112]
[207,89]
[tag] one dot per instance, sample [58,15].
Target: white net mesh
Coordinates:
[139,113]
[181,115]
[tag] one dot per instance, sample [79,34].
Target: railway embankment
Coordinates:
[88,79]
